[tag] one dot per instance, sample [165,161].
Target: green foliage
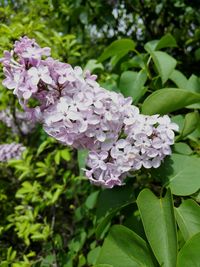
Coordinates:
[50,214]
[163,239]
[187,215]
[123,247]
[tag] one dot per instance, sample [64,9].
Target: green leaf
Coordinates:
[178,78]
[193,84]
[115,59]
[181,173]
[84,16]
[104,224]
[167,100]
[82,155]
[188,218]
[165,64]
[122,47]
[44,145]
[57,157]
[182,148]
[113,199]
[132,84]
[103,265]
[166,41]
[197,54]
[65,154]
[190,123]
[92,65]
[123,247]
[93,255]
[135,62]
[189,255]
[91,200]
[159,225]
[151,46]
[194,136]
[178,119]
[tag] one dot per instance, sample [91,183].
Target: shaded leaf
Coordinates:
[113,199]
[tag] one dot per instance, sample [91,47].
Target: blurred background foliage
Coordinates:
[49,213]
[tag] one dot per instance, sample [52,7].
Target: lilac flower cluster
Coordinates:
[147,140]
[11,151]
[76,111]
[16,121]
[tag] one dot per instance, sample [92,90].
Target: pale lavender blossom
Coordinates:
[11,151]
[40,73]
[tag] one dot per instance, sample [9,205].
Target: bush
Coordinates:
[50,214]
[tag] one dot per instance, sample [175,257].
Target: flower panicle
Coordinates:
[75,110]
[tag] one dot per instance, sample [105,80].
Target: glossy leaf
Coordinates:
[178,78]
[151,46]
[123,247]
[188,218]
[190,123]
[159,225]
[167,100]
[122,47]
[166,41]
[165,64]
[193,84]
[189,255]
[181,173]
[132,84]
[182,148]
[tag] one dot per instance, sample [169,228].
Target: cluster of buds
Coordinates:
[75,110]
[11,151]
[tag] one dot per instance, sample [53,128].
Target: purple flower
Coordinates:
[11,151]
[96,160]
[40,73]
